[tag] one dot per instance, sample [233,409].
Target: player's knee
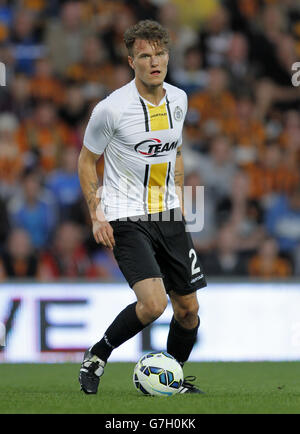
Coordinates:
[155,308]
[187,315]
[194,309]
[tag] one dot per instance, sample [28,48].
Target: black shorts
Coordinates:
[146,249]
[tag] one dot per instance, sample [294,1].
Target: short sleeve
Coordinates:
[100,128]
[185,108]
[186,104]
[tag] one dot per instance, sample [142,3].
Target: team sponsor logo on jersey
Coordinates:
[178,113]
[154,147]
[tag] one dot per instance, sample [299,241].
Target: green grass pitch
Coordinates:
[265,387]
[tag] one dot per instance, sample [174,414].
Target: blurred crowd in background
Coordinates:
[241,137]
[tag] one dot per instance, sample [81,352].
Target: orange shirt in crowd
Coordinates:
[291,146]
[103,8]
[47,88]
[78,265]
[49,142]
[210,106]
[84,73]
[264,180]
[11,162]
[278,267]
[248,139]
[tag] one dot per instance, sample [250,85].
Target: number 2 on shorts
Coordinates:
[194,269]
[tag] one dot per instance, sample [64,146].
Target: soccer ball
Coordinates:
[158,374]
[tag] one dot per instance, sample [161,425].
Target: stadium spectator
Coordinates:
[243,213]
[4,223]
[143,9]
[192,133]
[101,13]
[263,30]
[65,36]
[44,136]
[276,44]
[289,137]
[19,259]
[11,163]
[44,85]
[233,203]
[282,221]
[64,183]
[190,77]
[215,105]
[34,209]
[197,14]
[217,168]
[246,132]
[215,37]
[182,36]
[74,109]
[17,97]
[240,71]
[225,259]
[113,36]
[272,174]
[120,76]
[67,258]
[106,266]
[267,263]
[26,41]
[6,19]
[94,66]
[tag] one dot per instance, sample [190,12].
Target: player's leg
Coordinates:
[151,302]
[151,299]
[183,332]
[184,325]
[183,276]
[135,256]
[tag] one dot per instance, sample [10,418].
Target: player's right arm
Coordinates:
[102,230]
[98,134]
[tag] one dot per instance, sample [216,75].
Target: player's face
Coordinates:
[149,62]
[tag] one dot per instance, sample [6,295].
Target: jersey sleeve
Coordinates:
[186,104]
[185,109]
[100,128]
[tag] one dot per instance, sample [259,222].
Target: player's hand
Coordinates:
[103,233]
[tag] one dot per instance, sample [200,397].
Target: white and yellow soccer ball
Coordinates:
[158,374]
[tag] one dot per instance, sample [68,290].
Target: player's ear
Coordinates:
[131,62]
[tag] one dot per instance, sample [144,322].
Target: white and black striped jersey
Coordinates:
[139,142]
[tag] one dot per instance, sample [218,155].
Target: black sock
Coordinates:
[181,341]
[125,326]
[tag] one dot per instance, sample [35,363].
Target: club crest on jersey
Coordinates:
[154,147]
[178,113]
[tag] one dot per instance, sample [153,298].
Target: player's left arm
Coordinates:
[179,177]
